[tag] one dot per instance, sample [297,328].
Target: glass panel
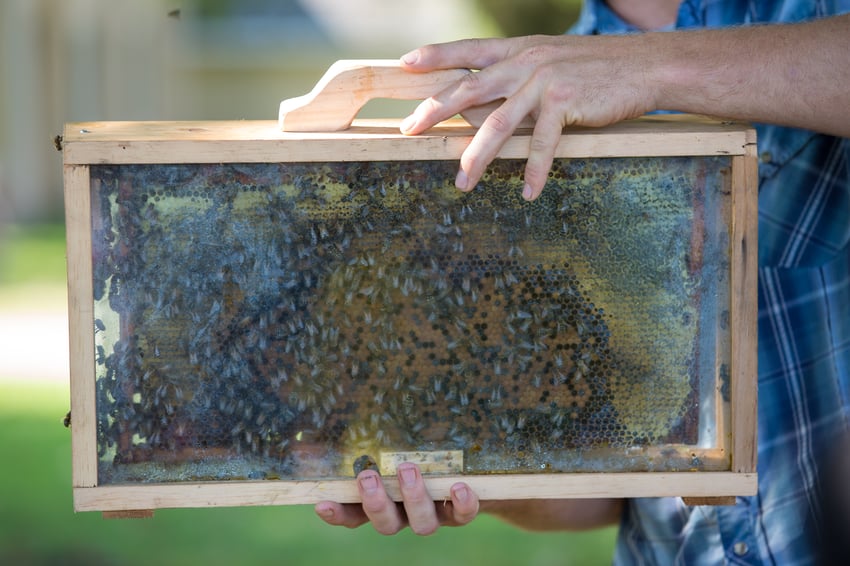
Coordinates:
[281,321]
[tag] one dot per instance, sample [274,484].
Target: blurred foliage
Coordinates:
[216,9]
[513,18]
[532,16]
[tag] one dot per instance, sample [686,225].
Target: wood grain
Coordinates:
[744,311]
[81,323]
[349,84]
[542,486]
[380,140]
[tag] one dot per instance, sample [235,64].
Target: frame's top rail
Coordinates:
[245,141]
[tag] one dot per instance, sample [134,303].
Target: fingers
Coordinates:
[380,509]
[475,89]
[559,80]
[541,153]
[507,81]
[376,507]
[424,515]
[387,517]
[429,112]
[417,509]
[466,53]
[341,515]
[419,506]
[493,133]
[491,136]
[462,508]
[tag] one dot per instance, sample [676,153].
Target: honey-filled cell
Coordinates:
[284,321]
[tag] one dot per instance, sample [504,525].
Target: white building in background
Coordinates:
[88,60]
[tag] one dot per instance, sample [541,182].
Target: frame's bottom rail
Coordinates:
[543,486]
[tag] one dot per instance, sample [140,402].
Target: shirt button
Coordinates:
[765,157]
[740,548]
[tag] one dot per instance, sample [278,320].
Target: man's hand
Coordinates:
[558,80]
[417,510]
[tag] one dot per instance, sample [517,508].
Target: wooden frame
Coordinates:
[87,144]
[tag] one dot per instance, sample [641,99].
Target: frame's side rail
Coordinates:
[81,321]
[744,298]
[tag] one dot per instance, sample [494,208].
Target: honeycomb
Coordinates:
[275,321]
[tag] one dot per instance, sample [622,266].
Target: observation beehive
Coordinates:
[253,311]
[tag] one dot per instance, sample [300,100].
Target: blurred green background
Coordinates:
[76,60]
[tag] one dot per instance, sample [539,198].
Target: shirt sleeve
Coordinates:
[597,18]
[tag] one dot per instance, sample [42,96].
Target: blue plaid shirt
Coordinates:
[804,338]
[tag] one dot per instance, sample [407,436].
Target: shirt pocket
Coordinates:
[804,197]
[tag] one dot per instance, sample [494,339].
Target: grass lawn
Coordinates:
[38,525]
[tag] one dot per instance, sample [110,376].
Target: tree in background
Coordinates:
[532,16]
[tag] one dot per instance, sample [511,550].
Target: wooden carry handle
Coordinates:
[349,84]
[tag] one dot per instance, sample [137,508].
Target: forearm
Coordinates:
[556,514]
[789,74]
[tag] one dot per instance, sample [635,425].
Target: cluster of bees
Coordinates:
[273,310]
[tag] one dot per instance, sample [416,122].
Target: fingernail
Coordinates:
[369,483]
[526,192]
[407,124]
[461,181]
[408,475]
[461,493]
[410,58]
[325,512]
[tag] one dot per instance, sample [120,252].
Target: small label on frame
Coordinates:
[432,462]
